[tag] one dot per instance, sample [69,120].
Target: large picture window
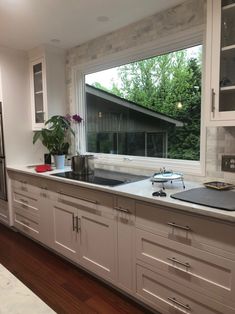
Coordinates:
[149,108]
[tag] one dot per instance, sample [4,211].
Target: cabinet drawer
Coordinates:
[25,188]
[169,297]
[203,271]
[84,203]
[125,205]
[200,232]
[26,225]
[28,204]
[86,194]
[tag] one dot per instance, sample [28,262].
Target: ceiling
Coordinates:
[25,24]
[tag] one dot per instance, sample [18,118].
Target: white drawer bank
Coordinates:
[174,262]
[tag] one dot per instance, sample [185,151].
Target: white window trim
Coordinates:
[174,42]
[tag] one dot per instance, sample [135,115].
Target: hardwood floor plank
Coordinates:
[63,286]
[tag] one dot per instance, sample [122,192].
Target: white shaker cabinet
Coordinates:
[221,24]
[47,84]
[85,231]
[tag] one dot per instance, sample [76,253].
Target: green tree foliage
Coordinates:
[161,82]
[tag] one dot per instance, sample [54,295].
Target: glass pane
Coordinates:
[228,27]
[38,82]
[37,68]
[227,68]
[227,100]
[150,107]
[227,2]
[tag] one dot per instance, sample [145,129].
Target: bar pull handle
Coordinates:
[122,209]
[73,222]
[78,224]
[185,306]
[213,102]
[174,225]
[175,260]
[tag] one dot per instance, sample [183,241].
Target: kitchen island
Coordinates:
[166,253]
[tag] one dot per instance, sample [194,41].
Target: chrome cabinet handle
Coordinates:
[78,224]
[185,306]
[73,222]
[175,260]
[122,209]
[213,102]
[172,224]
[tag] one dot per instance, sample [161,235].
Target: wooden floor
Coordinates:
[64,287]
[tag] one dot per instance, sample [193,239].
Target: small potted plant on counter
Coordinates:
[56,138]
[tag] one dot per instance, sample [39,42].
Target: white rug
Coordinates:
[16,298]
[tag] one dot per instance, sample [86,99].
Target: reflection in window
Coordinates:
[147,108]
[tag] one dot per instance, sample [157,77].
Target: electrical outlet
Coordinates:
[228,163]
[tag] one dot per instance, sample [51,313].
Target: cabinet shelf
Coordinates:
[224,88]
[229,6]
[225,48]
[38,72]
[39,92]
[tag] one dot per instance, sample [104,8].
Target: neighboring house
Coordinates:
[116,125]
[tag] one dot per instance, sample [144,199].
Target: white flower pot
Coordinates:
[59,161]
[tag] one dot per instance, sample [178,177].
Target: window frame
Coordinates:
[182,40]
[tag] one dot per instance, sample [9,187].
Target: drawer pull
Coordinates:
[172,224]
[185,306]
[73,222]
[173,259]
[122,209]
[78,224]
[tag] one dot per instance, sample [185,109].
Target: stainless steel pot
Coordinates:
[83,164]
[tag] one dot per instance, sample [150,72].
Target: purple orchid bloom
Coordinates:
[77,118]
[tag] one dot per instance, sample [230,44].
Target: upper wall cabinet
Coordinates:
[47,84]
[222,110]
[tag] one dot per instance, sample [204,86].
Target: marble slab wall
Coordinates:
[189,14]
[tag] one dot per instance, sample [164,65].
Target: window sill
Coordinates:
[147,165]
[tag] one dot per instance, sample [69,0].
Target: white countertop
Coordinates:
[15,297]
[142,190]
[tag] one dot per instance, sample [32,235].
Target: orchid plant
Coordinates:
[74,120]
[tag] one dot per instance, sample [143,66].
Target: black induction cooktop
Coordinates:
[89,178]
[101,177]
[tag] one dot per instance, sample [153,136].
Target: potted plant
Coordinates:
[56,138]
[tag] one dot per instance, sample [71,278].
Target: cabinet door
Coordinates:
[223,54]
[98,244]
[38,93]
[66,237]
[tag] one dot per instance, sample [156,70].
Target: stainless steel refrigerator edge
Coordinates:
[3,190]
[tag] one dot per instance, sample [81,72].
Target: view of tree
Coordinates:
[160,84]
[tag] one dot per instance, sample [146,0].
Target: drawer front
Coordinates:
[86,194]
[27,203]
[203,271]
[125,205]
[26,225]
[87,205]
[200,232]
[169,297]
[25,188]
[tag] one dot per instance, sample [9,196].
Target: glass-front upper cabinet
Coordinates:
[223,62]
[38,93]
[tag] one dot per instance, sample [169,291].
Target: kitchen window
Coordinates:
[149,118]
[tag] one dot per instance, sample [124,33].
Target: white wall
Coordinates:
[15,97]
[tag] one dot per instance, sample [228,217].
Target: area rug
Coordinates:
[16,298]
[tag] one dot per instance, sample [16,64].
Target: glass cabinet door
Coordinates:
[227,57]
[38,93]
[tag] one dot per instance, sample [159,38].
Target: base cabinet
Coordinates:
[174,262]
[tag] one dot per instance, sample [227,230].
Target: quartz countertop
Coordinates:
[142,190]
[15,297]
